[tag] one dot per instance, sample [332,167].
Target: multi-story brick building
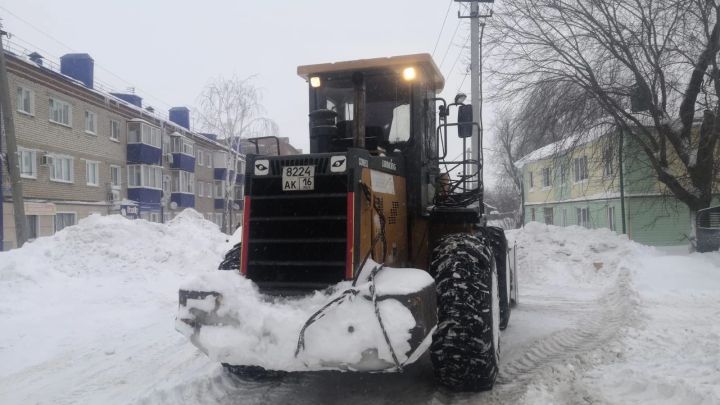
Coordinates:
[83,151]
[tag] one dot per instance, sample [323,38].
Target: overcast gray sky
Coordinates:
[168,50]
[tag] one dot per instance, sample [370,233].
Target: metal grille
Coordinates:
[394,211]
[297,240]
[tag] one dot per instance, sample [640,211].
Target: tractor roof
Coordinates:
[422,60]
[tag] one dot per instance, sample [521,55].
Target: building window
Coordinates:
[115,130]
[32,222]
[92,173]
[608,168]
[564,217]
[63,220]
[90,122]
[154,217]
[563,173]
[239,192]
[531,180]
[548,216]
[219,189]
[532,214]
[209,159]
[145,176]
[183,182]
[611,218]
[28,163]
[182,145]
[60,112]
[61,168]
[199,157]
[200,189]
[115,177]
[581,172]
[25,101]
[583,217]
[546,177]
[140,132]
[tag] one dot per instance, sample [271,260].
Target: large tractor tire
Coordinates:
[465,345]
[499,245]
[232,258]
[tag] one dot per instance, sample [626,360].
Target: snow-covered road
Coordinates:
[88,318]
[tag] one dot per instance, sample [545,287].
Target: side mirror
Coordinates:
[465,121]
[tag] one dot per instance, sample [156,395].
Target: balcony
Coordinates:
[144,154]
[183,162]
[144,195]
[183,200]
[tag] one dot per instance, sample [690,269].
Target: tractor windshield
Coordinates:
[387,106]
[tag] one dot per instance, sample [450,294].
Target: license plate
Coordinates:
[298,178]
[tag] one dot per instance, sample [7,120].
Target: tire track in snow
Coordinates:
[601,325]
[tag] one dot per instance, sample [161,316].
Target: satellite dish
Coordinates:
[236,206]
[173,205]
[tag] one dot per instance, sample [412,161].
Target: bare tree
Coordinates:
[231,108]
[650,65]
[548,113]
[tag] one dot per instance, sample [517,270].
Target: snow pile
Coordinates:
[89,284]
[111,244]
[553,257]
[671,356]
[257,331]
[646,330]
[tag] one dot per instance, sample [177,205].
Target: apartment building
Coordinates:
[86,151]
[577,182]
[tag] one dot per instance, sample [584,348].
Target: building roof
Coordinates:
[393,62]
[572,142]
[558,148]
[52,70]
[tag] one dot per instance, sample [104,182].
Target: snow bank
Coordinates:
[665,349]
[109,244]
[553,257]
[96,281]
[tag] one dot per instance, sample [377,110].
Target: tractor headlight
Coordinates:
[338,164]
[315,81]
[409,73]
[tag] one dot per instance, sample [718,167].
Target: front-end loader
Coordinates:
[378,207]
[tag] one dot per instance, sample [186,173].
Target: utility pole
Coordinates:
[476,76]
[11,155]
[622,182]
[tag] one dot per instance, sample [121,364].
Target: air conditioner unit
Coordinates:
[46,160]
[169,158]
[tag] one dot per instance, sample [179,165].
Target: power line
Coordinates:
[467,72]
[459,55]
[443,27]
[450,44]
[68,47]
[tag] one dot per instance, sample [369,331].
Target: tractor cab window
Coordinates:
[387,111]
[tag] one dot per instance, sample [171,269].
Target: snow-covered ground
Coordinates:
[88,318]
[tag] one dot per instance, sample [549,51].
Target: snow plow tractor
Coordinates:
[372,249]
